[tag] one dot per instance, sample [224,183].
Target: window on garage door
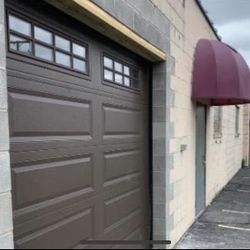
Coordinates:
[30,39]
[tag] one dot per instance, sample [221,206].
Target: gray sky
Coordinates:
[232,19]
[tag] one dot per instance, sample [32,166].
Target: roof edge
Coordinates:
[198,2]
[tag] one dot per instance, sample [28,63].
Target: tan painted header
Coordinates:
[92,15]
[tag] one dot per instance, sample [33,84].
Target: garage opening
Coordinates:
[79,117]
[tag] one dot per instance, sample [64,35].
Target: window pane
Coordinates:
[43,52]
[126,70]
[62,43]
[63,59]
[20,44]
[118,67]
[43,35]
[134,73]
[118,78]
[108,63]
[19,25]
[79,65]
[108,75]
[127,81]
[79,50]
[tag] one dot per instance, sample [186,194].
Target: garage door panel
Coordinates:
[136,235]
[128,224]
[122,124]
[121,163]
[59,235]
[30,157]
[117,208]
[71,145]
[119,186]
[41,215]
[39,121]
[37,183]
[26,67]
[118,120]
[40,116]
[27,81]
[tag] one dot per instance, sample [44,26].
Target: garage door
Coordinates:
[79,132]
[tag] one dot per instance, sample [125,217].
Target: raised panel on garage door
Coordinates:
[78,143]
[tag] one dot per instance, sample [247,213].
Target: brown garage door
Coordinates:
[79,137]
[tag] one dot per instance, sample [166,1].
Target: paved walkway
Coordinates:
[226,223]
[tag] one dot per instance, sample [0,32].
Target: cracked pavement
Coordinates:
[225,224]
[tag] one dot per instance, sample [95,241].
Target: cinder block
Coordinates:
[159,163]
[159,179]
[2,35]
[170,161]
[159,195]
[1,12]
[2,43]
[172,130]
[159,97]
[159,146]
[159,81]
[5,213]
[124,13]
[159,130]
[4,131]
[160,68]
[160,21]
[101,3]
[3,90]
[140,25]
[141,6]
[159,211]
[110,6]
[3,98]
[153,34]
[6,241]
[5,183]
[159,226]
[159,114]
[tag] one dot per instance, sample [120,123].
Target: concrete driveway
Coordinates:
[226,223]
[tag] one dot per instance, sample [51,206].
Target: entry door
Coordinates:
[200,158]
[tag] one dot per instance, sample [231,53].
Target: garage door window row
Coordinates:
[32,40]
[120,73]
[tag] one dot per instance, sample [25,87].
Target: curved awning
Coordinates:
[220,75]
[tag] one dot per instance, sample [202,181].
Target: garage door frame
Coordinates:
[20,11]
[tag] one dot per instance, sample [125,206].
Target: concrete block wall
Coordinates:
[6,227]
[187,26]
[225,154]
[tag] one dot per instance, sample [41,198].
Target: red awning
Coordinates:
[220,75]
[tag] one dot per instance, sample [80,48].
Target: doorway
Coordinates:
[200,159]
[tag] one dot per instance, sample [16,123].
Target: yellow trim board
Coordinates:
[92,15]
